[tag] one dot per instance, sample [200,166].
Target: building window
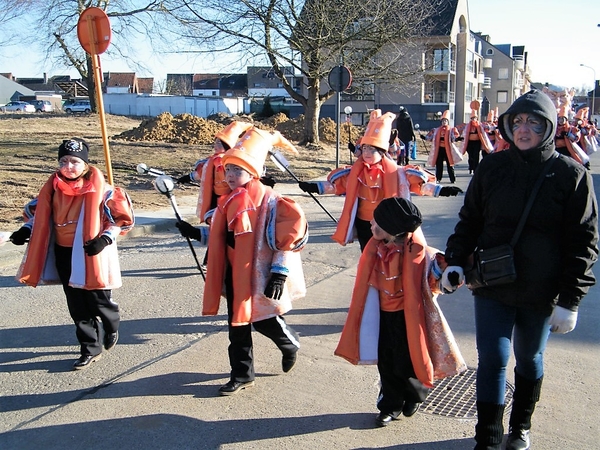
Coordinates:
[489,51]
[502,97]
[503,74]
[469,92]
[441,58]
[470,58]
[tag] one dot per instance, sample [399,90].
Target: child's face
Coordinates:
[71,167]
[236,176]
[218,146]
[370,154]
[378,233]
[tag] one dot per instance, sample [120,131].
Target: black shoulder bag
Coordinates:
[496,265]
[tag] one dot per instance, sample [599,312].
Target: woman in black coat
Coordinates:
[553,258]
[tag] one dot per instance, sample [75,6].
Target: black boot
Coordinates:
[489,429]
[527,394]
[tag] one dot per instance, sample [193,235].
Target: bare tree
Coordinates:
[372,37]
[10,12]
[132,22]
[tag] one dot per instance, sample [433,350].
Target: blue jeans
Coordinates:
[495,324]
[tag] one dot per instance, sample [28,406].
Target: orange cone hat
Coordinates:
[563,111]
[446,115]
[378,130]
[233,132]
[251,151]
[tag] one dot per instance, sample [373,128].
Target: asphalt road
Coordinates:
[157,389]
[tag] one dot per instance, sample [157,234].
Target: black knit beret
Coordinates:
[74,147]
[397,215]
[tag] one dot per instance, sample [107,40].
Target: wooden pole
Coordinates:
[99,100]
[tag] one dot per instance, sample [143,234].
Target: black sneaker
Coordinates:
[84,361]
[233,387]
[288,362]
[110,340]
[384,419]
[410,408]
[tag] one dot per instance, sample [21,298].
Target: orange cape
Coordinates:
[433,349]
[344,230]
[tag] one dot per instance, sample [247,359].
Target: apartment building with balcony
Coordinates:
[453,66]
[505,74]
[448,64]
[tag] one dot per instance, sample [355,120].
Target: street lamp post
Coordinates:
[593,89]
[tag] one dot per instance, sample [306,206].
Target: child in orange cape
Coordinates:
[72,228]
[394,320]
[253,251]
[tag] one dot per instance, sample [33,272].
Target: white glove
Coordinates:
[562,320]
[454,273]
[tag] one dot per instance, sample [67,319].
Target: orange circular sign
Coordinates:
[93,31]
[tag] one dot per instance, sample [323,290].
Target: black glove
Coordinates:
[268,181]
[184,179]
[96,245]
[20,236]
[187,230]
[309,187]
[450,191]
[275,285]
[351,147]
[393,136]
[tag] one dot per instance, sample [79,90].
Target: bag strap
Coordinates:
[532,196]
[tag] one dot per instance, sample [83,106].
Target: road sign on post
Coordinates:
[93,31]
[339,80]
[94,34]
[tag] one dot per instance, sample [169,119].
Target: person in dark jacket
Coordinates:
[553,259]
[406,133]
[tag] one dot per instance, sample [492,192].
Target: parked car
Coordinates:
[18,107]
[79,106]
[42,105]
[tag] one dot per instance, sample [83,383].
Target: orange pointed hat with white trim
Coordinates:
[233,132]
[379,130]
[252,149]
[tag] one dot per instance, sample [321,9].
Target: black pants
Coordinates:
[398,380]
[86,306]
[363,232]
[474,151]
[439,166]
[240,338]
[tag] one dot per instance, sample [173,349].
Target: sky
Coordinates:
[558,37]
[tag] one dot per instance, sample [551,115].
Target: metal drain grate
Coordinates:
[455,396]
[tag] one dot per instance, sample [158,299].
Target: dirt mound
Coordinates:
[189,129]
[181,129]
